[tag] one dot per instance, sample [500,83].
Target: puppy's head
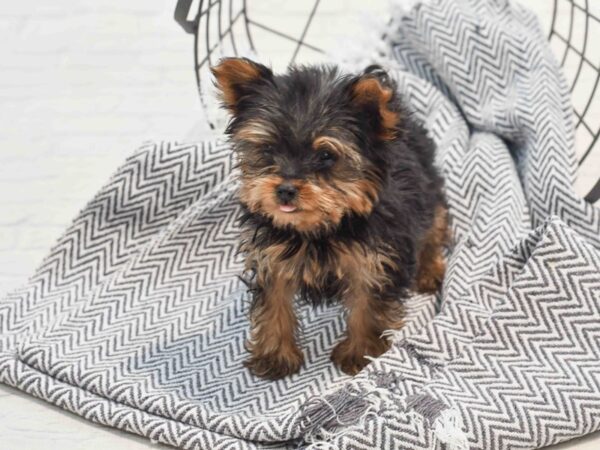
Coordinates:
[311,143]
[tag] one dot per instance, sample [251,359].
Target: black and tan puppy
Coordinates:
[341,201]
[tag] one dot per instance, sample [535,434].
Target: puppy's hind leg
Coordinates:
[431,266]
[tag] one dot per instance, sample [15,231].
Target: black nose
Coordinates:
[286,192]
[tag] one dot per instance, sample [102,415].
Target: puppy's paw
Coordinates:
[275,365]
[351,356]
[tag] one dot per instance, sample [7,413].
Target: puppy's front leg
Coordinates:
[274,352]
[368,318]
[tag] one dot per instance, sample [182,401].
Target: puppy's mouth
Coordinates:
[287,208]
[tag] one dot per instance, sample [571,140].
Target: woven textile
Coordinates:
[136,319]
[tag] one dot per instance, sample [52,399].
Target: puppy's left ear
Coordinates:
[374,94]
[235,77]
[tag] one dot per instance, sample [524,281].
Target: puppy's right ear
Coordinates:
[235,77]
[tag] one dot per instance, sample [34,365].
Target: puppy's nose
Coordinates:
[286,192]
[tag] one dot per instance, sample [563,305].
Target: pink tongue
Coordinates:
[287,208]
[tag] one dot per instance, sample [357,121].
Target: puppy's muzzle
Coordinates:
[286,192]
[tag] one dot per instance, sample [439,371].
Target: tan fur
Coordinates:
[368,318]
[338,147]
[231,72]
[357,269]
[360,195]
[431,266]
[274,352]
[369,90]
[349,261]
[363,269]
[256,132]
[320,205]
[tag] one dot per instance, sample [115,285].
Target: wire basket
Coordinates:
[226,28]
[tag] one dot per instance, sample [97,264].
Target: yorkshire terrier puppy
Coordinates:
[341,200]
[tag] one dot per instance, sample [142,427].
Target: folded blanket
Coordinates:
[136,319]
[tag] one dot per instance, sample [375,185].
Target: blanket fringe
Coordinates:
[448,429]
[445,423]
[329,416]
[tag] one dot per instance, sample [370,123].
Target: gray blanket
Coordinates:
[136,319]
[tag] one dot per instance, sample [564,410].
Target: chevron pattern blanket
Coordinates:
[136,319]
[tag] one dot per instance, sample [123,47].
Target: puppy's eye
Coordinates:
[326,156]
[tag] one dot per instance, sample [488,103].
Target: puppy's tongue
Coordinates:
[287,208]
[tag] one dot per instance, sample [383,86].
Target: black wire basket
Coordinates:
[225,28]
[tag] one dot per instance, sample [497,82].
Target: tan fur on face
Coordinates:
[360,195]
[339,148]
[256,132]
[320,205]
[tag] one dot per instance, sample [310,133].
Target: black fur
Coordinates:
[308,100]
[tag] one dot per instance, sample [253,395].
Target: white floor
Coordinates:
[81,84]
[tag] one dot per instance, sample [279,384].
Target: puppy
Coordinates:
[340,201]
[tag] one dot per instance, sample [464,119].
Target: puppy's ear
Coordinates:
[373,93]
[234,77]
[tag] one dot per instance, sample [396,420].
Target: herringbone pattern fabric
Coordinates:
[136,319]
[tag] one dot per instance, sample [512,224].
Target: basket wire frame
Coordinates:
[214,27]
[590,20]
[224,28]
